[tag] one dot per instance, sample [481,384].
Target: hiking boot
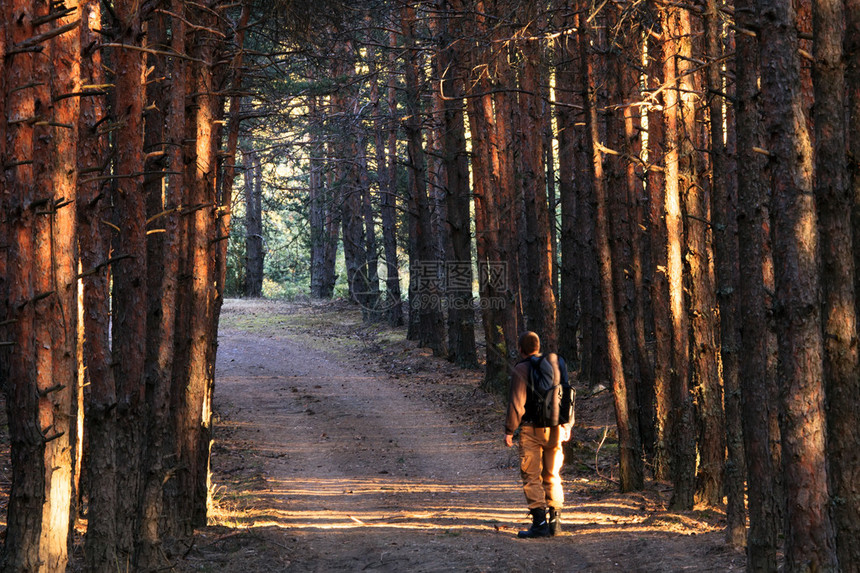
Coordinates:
[540,526]
[554,521]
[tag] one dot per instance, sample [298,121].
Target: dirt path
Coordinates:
[324,465]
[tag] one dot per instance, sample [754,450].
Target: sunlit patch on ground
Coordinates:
[330,504]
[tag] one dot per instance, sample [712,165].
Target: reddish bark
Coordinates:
[704,315]
[479,108]
[757,402]
[538,281]
[659,252]
[100,405]
[161,292]
[594,353]
[3,202]
[502,158]
[619,216]
[851,453]
[41,265]
[197,408]
[63,396]
[834,201]
[569,99]
[809,536]
[726,252]
[27,493]
[461,328]
[683,461]
[427,302]
[631,470]
[172,522]
[639,249]
[3,196]
[129,276]
[225,199]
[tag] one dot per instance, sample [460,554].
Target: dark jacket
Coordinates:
[518,395]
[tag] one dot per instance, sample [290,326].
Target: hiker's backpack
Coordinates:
[551,397]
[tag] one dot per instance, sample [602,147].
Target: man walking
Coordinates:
[541,454]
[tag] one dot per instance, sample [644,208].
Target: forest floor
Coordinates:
[342,447]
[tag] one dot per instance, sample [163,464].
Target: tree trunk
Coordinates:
[681,421]
[352,228]
[254,252]
[540,305]
[100,420]
[551,190]
[349,187]
[370,272]
[595,362]
[197,411]
[161,292]
[197,296]
[219,222]
[569,98]
[386,175]
[4,221]
[176,263]
[436,175]
[461,313]
[659,290]
[41,370]
[324,220]
[639,247]
[27,492]
[316,195]
[631,470]
[809,536]
[834,202]
[756,399]
[424,266]
[507,199]
[62,395]
[705,376]
[726,252]
[386,180]
[492,272]
[129,276]
[389,211]
[228,172]
[620,234]
[626,255]
[683,460]
[332,226]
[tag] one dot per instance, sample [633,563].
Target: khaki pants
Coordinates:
[541,457]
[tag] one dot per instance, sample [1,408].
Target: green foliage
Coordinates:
[286,233]
[292,54]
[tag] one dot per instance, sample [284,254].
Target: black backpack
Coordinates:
[550,399]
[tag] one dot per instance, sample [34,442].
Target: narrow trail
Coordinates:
[327,467]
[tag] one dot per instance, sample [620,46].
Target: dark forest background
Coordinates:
[667,192]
